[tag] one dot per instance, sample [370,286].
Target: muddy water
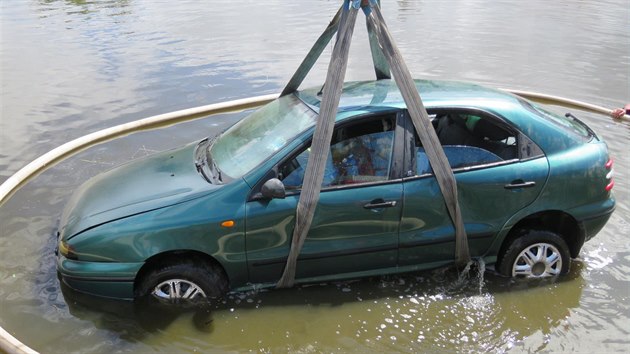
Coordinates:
[72,67]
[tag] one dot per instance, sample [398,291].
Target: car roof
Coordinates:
[384,94]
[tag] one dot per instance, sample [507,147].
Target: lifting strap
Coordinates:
[320,146]
[312,55]
[381,67]
[384,57]
[426,133]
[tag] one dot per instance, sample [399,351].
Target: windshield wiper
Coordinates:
[204,163]
[216,172]
[588,129]
[199,165]
[200,160]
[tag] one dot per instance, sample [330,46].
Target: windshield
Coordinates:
[259,135]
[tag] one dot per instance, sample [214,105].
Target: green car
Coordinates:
[217,215]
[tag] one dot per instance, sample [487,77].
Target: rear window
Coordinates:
[567,122]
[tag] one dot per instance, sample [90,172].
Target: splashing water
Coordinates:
[466,278]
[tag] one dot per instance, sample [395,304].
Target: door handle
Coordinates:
[379,203]
[520,184]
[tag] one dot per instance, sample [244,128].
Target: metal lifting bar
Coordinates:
[386,57]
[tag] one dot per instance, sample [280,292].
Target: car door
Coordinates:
[498,170]
[355,226]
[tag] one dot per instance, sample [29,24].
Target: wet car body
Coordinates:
[519,170]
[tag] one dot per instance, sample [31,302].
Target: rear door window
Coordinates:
[469,140]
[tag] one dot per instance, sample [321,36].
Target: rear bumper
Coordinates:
[591,219]
[593,225]
[110,280]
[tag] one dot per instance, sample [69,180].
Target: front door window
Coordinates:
[358,154]
[356,222]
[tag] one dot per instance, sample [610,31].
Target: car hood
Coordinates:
[151,183]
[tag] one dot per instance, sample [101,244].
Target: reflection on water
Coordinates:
[418,312]
[71,67]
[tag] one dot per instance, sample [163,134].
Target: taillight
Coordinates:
[609,175]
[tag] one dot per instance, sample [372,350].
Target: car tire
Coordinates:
[535,254]
[183,281]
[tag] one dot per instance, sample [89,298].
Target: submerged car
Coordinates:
[217,215]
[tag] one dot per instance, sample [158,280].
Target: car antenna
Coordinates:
[321,90]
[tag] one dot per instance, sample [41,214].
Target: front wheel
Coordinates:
[183,281]
[536,254]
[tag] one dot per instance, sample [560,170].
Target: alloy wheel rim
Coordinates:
[178,289]
[537,261]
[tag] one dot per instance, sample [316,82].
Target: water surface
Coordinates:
[72,67]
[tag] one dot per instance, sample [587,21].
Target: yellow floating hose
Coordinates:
[70,148]
[566,102]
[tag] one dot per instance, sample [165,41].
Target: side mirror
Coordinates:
[273,188]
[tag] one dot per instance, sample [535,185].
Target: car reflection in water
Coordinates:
[135,319]
[497,304]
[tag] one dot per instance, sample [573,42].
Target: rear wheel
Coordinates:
[183,281]
[536,254]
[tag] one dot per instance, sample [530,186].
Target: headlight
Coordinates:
[66,250]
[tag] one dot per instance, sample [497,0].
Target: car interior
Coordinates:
[358,153]
[468,140]
[362,152]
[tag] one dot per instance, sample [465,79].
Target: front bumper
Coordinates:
[111,280]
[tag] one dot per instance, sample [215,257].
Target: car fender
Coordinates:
[197,225]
